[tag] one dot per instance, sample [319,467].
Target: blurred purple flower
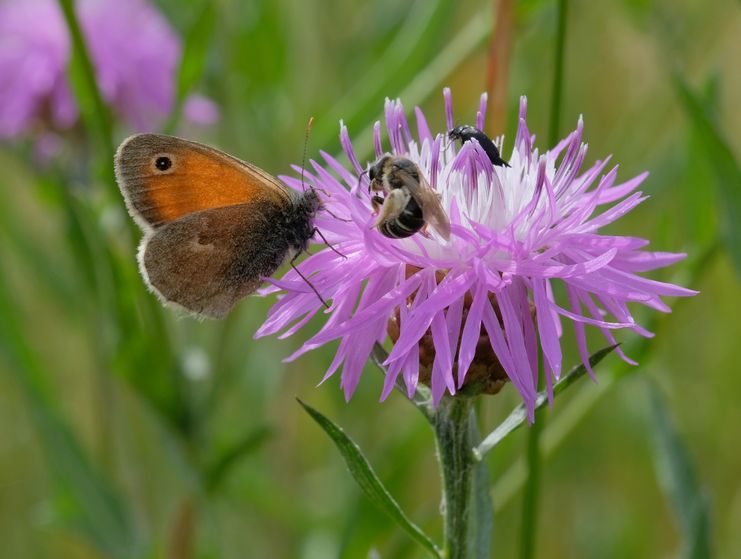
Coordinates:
[516,232]
[134,51]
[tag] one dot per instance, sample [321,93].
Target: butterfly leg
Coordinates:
[338,218]
[326,242]
[303,277]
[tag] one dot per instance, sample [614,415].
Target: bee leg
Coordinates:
[392,206]
[424,232]
[376,186]
[377,203]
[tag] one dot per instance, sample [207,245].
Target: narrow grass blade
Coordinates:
[217,472]
[430,77]
[418,38]
[196,44]
[369,482]
[89,99]
[498,63]
[676,475]
[519,415]
[726,166]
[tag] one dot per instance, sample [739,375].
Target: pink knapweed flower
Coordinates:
[133,49]
[516,232]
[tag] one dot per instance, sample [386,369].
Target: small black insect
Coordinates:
[467,132]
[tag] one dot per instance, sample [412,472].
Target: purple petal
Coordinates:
[471,332]
[392,373]
[646,261]
[348,149]
[481,115]
[410,371]
[377,144]
[423,130]
[442,367]
[595,312]
[448,99]
[581,338]
[383,307]
[621,190]
[512,321]
[549,339]
[454,321]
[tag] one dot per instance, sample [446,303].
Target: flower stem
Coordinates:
[455,443]
[497,72]
[531,497]
[87,90]
[558,63]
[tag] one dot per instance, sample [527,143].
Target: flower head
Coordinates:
[516,232]
[134,51]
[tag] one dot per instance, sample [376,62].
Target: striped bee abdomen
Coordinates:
[406,224]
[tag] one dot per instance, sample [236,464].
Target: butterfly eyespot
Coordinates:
[163,163]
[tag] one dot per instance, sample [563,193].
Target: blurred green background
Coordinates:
[129,431]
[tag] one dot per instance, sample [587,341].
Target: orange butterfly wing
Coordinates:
[164,178]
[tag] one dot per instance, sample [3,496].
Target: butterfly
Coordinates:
[214,226]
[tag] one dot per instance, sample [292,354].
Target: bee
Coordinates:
[409,204]
[467,132]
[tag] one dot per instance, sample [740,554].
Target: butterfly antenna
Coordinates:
[306,146]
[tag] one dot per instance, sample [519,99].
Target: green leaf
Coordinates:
[519,414]
[726,167]
[676,475]
[700,219]
[368,481]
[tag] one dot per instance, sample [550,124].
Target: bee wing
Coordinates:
[432,210]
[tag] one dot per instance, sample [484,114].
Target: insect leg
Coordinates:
[326,242]
[303,277]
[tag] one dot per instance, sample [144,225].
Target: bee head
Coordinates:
[378,170]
